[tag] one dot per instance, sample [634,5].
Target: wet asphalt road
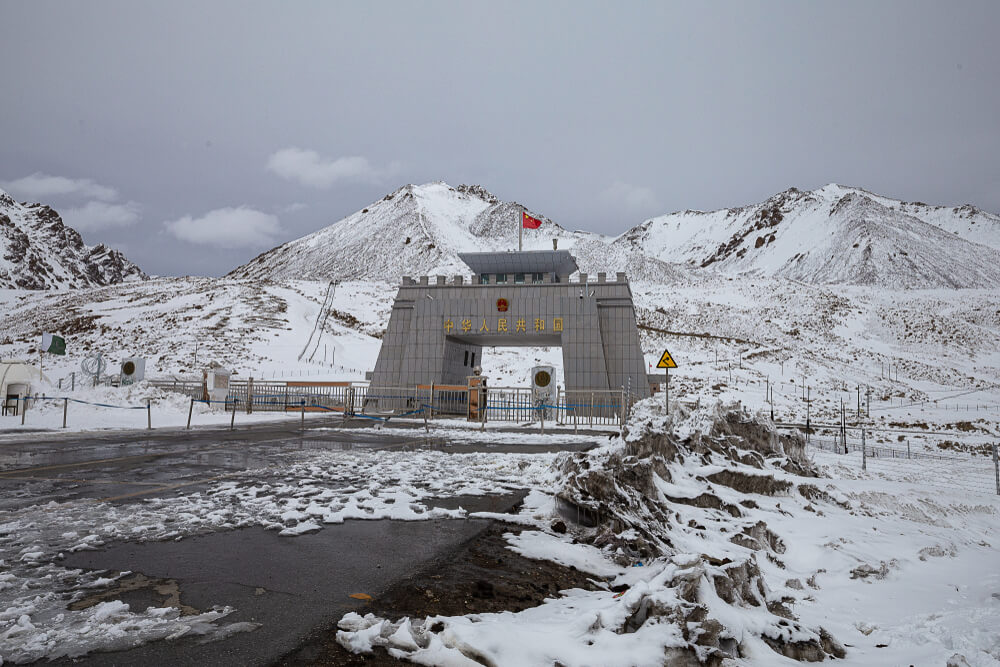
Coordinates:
[289,585]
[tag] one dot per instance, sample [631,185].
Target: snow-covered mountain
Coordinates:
[832,235]
[38,251]
[420,229]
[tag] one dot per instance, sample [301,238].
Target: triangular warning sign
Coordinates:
[666,361]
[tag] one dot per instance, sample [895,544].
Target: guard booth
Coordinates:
[18,380]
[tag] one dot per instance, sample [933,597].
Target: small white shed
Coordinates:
[18,379]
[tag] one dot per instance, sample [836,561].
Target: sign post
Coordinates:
[666,362]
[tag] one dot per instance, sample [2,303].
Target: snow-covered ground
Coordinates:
[932,590]
[895,572]
[931,359]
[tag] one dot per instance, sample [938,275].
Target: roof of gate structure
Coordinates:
[560,262]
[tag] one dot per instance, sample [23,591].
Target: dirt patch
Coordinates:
[483,576]
[138,590]
[966,448]
[764,485]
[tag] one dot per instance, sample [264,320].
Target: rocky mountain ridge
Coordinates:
[39,251]
[831,235]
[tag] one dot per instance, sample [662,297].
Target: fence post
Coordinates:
[624,401]
[149,414]
[65,409]
[576,416]
[250,395]
[232,420]
[541,414]
[24,409]
[303,414]
[431,403]
[190,410]
[996,467]
[907,449]
[591,409]
[558,403]
[864,451]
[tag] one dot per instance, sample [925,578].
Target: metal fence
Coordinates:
[974,473]
[503,404]
[270,396]
[600,407]
[193,388]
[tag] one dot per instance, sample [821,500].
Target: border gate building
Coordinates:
[439,326]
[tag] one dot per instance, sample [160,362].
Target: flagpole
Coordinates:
[520,228]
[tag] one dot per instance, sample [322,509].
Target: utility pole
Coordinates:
[859,401]
[808,400]
[868,402]
[843,425]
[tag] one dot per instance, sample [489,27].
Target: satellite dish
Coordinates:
[93,365]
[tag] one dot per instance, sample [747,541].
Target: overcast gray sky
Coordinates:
[195,135]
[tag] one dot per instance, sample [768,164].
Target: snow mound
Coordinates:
[667,509]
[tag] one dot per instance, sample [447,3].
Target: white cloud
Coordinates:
[312,169]
[634,197]
[228,227]
[100,215]
[39,186]
[294,207]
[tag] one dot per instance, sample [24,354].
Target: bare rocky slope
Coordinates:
[831,235]
[38,251]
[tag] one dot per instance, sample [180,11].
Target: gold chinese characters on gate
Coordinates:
[504,325]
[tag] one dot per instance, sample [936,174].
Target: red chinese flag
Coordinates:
[528,222]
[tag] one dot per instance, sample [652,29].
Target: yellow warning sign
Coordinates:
[666,361]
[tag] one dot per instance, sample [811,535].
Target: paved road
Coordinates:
[131,466]
[290,586]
